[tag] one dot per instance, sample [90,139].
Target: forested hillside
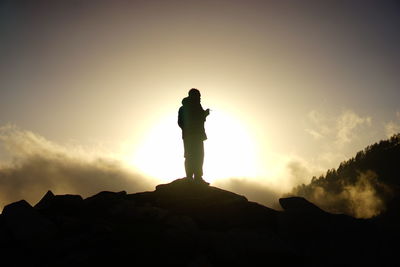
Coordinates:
[362,186]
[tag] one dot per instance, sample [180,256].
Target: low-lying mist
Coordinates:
[364,198]
[252,189]
[35,165]
[30,165]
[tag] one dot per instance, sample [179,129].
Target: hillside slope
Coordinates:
[182,224]
[363,186]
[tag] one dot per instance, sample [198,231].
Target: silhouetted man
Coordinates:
[191,119]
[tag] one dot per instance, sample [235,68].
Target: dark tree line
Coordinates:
[381,159]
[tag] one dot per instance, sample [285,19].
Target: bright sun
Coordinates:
[229,151]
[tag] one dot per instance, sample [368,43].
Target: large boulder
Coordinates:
[45,201]
[25,224]
[105,202]
[299,205]
[184,190]
[182,224]
[105,197]
[60,204]
[211,206]
[4,234]
[250,247]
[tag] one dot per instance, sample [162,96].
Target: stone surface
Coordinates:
[300,205]
[60,204]
[25,224]
[45,201]
[185,224]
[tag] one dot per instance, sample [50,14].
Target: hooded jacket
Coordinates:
[191,118]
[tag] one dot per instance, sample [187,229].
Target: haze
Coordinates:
[294,87]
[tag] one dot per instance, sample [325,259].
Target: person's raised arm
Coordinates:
[180,117]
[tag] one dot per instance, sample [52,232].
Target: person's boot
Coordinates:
[189,177]
[200,180]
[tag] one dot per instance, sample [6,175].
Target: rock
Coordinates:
[183,223]
[250,247]
[4,234]
[26,224]
[200,260]
[212,207]
[299,205]
[123,208]
[45,201]
[181,230]
[149,213]
[184,190]
[60,204]
[105,196]
[105,201]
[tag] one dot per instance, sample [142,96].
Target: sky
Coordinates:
[294,88]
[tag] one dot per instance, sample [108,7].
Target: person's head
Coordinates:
[185,101]
[194,93]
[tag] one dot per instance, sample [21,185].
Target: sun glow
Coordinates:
[229,151]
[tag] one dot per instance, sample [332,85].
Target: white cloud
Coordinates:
[393,127]
[320,128]
[340,130]
[317,135]
[359,199]
[347,124]
[338,136]
[315,117]
[38,165]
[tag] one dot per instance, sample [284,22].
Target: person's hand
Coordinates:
[207,112]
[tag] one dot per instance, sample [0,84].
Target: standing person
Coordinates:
[191,120]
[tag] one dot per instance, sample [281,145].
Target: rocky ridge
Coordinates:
[183,224]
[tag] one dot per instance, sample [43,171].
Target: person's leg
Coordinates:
[189,168]
[198,159]
[188,158]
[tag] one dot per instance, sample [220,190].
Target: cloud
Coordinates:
[337,135]
[36,165]
[253,190]
[320,128]
[314,133]
[268,190]
[298,172]
[341,129]
[393,127]
[362,196]
[347,124]
[359,198]
[315,117]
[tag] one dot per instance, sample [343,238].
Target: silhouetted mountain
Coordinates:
[183,224]
[363,186]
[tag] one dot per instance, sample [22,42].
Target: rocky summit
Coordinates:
[183,224]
